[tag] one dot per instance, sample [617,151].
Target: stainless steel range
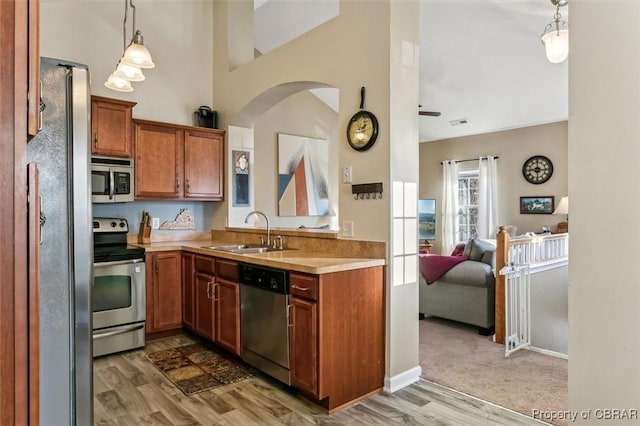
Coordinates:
[118,288]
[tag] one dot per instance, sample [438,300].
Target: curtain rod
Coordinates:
[468,159]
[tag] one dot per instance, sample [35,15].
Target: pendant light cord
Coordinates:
[124,27]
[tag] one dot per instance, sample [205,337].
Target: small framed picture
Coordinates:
[536,205]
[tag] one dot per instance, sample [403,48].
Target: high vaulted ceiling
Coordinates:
[480,60]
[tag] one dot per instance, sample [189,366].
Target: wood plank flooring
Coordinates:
[129,390]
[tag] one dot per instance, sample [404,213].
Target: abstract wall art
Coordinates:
[303,169]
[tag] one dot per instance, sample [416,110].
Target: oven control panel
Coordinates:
[110,224]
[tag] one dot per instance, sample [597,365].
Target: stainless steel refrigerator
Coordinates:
[61,152]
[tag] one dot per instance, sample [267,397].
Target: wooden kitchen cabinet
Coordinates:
[34,117]
[111,128]
[336,346]
[217,302]
[178,162]
[164,291]
[188,289]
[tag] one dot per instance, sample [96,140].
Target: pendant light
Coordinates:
[555,37]
[135,57]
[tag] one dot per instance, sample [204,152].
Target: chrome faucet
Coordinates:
[246,220]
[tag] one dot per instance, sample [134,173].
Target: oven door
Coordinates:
[118,293]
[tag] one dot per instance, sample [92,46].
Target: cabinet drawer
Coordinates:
[303,286]
[206,264]
[227,269]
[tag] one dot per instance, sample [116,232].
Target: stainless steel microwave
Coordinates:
[111,180]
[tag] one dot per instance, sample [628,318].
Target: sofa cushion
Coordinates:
[475,250]
[470,273]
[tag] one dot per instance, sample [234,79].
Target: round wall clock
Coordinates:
[537,169]
[362,129]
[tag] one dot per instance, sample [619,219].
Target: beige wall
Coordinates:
[178,35]
[604,149]
[513,147]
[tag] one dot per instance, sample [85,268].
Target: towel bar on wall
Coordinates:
[367,190]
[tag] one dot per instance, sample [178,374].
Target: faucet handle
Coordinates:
[278,242]
[261,240]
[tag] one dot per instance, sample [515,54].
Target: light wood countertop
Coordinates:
[293,260]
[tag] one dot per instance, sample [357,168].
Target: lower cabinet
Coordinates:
[337,330]
[188,286]
[216,302]
[164,291]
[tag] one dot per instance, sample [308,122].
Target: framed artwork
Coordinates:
[241,173]
[427,219]
[303,170]
[536,205]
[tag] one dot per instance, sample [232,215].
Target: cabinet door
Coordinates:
[203,165]
[167,291]
[34,118]
[227,297]
[111,127]
[158,165]
[188,283]
[204,305]
[303,345]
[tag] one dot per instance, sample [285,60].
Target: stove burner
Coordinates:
[110,241]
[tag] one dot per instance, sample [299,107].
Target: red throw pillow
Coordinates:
[458,250]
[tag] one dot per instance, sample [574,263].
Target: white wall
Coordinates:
[604,149]
[513,147]
[178,34]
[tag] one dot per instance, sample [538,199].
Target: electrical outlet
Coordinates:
[155,223]
[347,229]
[346,174]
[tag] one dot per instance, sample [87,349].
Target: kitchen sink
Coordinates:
[242,248]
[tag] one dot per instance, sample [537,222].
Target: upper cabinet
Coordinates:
[176,162]
[111,127]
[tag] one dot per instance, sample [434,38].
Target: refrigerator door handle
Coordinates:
[43,219]
[111,184]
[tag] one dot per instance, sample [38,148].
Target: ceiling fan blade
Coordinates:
[430,113]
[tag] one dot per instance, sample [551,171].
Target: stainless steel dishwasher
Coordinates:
[264,296]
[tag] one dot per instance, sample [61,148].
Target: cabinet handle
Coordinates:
[300,288]
[215,292]
[188,186]
[95,140]
[208,289]
[41,107]
[177,184]
[155,264]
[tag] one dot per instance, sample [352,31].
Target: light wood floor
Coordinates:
[128,390]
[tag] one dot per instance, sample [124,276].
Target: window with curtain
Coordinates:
[468,204]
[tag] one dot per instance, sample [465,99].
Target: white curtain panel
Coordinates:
[450,221]
[488,197]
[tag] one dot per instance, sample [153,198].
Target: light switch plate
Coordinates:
[347,229]
[155,223]
[346,174]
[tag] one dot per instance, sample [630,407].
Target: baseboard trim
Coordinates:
[399,381]
[548,352]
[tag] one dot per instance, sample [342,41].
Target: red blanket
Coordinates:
[433,266]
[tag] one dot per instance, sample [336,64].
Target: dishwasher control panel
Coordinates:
[271,279]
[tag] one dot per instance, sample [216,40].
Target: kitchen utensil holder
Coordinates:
[367,191]
[144,234]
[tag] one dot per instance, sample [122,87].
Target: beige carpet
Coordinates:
[456,356]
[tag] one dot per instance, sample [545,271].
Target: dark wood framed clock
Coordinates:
[362,129]
[537,169]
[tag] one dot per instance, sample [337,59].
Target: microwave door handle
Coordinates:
[112,184]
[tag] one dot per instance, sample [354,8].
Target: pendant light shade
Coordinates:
[118,84]
[555,37]
[556,42]
[136,54]
[128,72]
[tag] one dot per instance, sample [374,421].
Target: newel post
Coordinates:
[502,255]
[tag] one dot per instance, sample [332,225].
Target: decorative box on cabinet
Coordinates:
[111,130]
[163,291]
[178,162]
[337,335]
